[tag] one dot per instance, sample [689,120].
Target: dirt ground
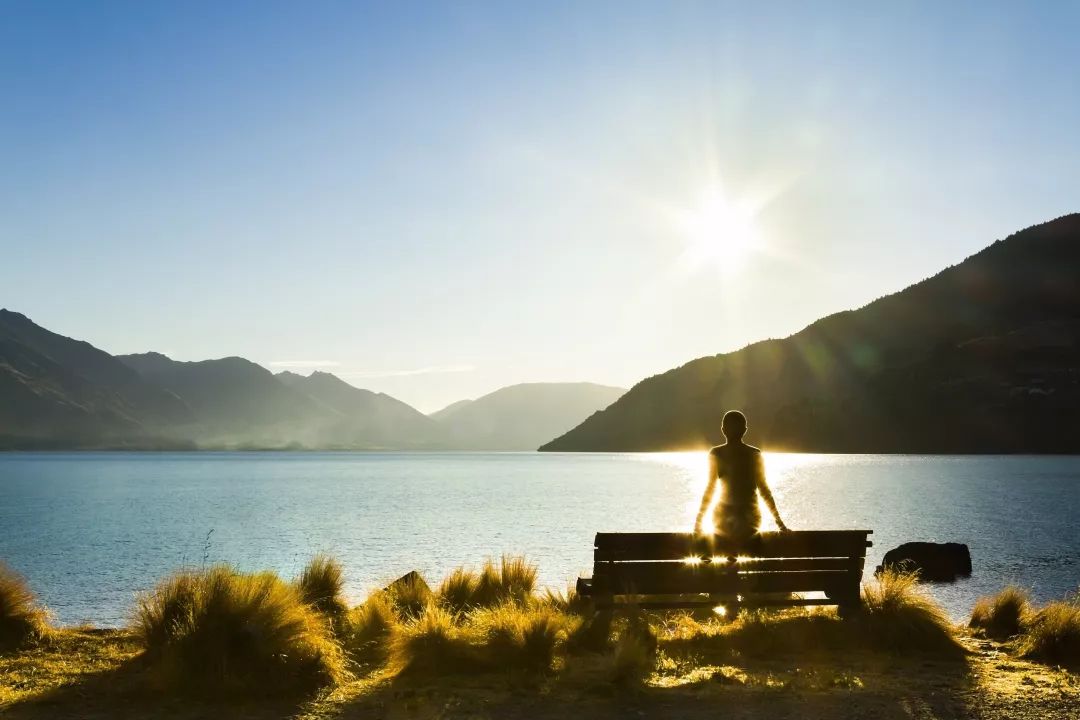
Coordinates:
[95,674]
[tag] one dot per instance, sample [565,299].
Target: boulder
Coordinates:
[938,562]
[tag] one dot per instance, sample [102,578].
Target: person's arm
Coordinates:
[706,499]
[766,495]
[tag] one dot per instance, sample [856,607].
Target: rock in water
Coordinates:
[939,562]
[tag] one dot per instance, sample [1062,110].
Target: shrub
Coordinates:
[321,586]
[368,628]
[458,591]
[431,642]
[635,653]
[514,637]
[513,580]
[221,631]
[897,616]
[568,601]
[410,595]
[1053,635]
[1002,616]
[22,621]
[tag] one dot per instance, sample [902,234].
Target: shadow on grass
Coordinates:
[79,683]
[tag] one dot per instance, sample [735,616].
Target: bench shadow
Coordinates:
[859,686]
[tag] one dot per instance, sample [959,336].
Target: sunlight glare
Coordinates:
[720,232]
[692,560]
[720,610]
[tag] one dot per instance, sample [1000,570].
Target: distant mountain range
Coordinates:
[56,392]
[525,415]
[982,357]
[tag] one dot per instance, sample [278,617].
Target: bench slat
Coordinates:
[674,546]
[653,578]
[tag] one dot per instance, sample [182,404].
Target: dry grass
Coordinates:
[520,638]
[432,643]
[899,617]
[22,620]
[368,628]
[410,596]
[1052,634]
[457,592]
[1002,616]
[321,586]
[221,631]
[512,580]
[568,601]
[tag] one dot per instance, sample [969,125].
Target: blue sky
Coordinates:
[435,200]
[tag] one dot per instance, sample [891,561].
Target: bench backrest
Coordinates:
[674,563]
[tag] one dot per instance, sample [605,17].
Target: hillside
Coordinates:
[369,420]
[56,391]
[982,357]
[522,417]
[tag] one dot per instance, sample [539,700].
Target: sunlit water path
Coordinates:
[90,530]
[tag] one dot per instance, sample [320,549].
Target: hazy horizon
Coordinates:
[435,202]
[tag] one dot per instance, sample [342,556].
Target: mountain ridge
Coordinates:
[897,375]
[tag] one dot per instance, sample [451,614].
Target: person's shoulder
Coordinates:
[752,449]
[718,450]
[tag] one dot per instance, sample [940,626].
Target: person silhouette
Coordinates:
[742,471]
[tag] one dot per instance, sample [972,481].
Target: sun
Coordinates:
[719,231]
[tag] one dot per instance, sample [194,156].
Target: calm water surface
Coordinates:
[90,530]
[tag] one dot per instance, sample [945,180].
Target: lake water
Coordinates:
[90,530]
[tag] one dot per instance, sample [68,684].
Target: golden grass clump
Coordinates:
[22,620]
[897,616]
[515,637]
[432,643]
[634,655]
[221,631]
[1052,634]
[458,591]
[410,595]
[568,601]
[321,586]
[369,627]
[512,580]
[1002,616]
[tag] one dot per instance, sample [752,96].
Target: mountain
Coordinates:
[521,417]
[235,401]
[369,420]
[982,357]
[56,391]
[449,409]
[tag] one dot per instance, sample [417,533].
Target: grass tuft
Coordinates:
[457,592]
[218,631]
[512,580]
[1002,616]
[432,643]
[1052,634]
[513,637]
[22,620]
[410,596]
[634,656]
[321,586]
[568,601]
[897,616]
[369,627]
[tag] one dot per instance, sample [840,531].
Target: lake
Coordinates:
[91,530]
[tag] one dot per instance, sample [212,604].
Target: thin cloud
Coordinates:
[433,370]
[304,363]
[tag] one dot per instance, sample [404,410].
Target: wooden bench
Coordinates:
[682,570]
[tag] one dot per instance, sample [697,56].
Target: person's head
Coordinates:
[734,425]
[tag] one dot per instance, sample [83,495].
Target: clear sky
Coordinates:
[436,200]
